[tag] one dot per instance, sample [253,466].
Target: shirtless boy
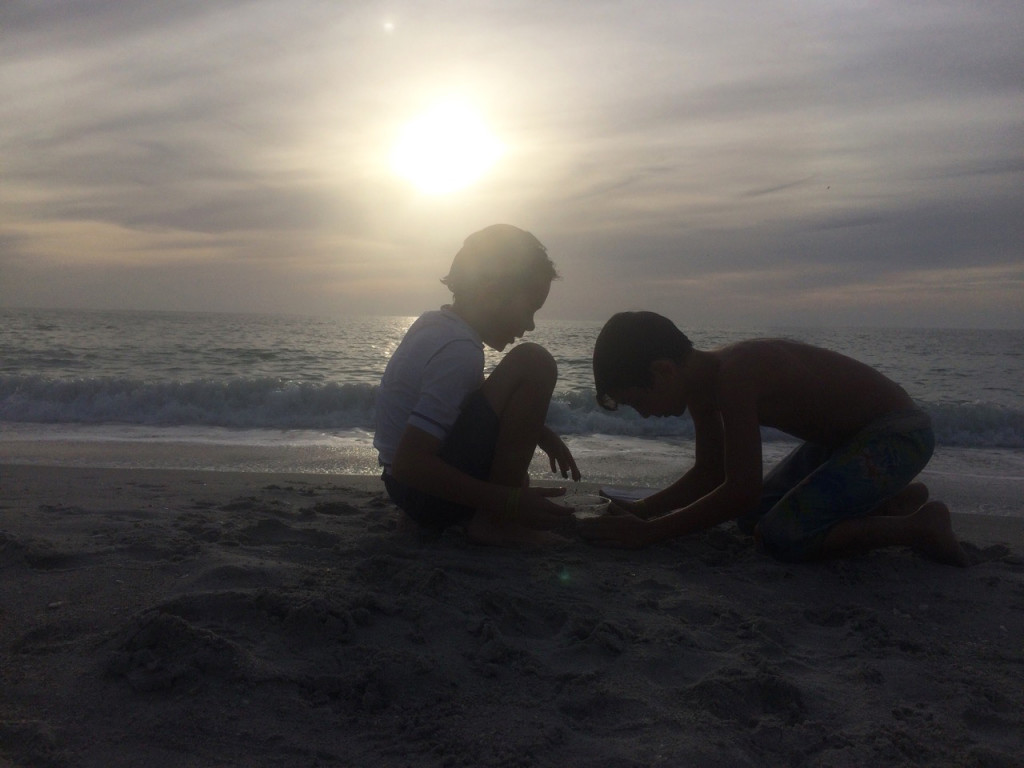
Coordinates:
[455,447]
[846,489]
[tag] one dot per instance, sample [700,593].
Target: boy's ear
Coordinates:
[662,369]
[484,294]
[493,290]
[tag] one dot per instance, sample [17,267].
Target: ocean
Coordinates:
[296,394]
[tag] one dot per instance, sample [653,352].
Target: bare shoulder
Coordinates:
[810,392]
[740,370]
[773,354]
[752,349]
[742,361]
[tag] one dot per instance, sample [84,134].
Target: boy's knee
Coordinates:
[526,368]
[533,362]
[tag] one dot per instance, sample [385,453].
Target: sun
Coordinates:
[445,149]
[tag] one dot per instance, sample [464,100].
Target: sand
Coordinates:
[180,618]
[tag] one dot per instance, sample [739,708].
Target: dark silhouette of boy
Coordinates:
[456,447]
[846,488]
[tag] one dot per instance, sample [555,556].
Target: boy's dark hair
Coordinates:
[498,253]
[625,349]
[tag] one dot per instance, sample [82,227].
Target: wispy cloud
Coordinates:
[839,145]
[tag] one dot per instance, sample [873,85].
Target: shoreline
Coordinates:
[176,617]
[54,481]
[986,481]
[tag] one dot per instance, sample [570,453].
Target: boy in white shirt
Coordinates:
[455,446]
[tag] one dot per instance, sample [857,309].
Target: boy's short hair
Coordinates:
[498,253]
[625,349]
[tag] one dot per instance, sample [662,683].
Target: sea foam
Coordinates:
[272,403]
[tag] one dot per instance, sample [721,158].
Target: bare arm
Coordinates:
[559,456]
[738,488]
[706,474]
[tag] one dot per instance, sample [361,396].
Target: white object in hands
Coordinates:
[587,505]
[627,495]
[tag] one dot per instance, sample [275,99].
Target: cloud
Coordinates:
[655,147]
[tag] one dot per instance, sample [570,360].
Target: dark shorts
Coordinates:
[814,487]
[470,448]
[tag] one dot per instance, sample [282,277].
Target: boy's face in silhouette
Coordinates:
[664,397]
[510,312]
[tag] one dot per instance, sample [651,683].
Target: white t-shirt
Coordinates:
[439,362]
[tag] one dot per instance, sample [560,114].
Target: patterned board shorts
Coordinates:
[814,488]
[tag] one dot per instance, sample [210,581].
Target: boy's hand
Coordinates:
[536,511]
[623,507]
[558,454]
[618,529]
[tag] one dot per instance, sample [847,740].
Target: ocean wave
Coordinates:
[270,403]
[239,403]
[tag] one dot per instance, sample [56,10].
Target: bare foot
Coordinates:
[906,502]
[936,539]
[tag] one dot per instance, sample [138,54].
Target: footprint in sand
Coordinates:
[519,617]
[745,697]
[161,652]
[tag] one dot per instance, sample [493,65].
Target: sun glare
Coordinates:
[445,149]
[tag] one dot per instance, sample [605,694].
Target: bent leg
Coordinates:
[927,530]
[906,502]
[519,391]
[869,477]
[786,475]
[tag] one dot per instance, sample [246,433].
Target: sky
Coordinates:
[729,164]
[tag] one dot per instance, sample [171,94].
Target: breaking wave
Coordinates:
[272,403]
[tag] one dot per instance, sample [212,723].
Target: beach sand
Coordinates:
[182,618]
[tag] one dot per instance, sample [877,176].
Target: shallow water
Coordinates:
[272,393]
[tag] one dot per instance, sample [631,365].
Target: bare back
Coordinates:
[808,392]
